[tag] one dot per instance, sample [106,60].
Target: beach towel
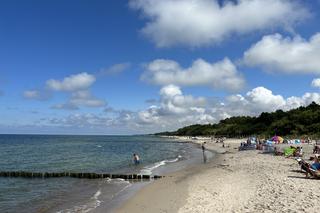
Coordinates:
[289,151]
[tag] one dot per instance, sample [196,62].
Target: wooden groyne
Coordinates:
[24,174]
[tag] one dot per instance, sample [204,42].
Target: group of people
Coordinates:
[290,151]
[248,145]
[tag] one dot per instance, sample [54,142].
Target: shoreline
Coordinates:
[169,197]
[84,154]
[245,181]
[173,169]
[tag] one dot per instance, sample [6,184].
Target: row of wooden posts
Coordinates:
[76,175]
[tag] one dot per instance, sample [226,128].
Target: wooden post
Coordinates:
[75,175]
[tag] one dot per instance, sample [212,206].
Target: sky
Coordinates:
[144,66]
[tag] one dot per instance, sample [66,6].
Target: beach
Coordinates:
[234,181]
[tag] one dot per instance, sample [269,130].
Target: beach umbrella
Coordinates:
[274,138]
[277,139]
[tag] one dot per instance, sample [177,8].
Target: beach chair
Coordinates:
[303,165]
[308,170]
[248,147]
[313,173]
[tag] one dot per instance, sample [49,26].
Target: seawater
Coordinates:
[100,154]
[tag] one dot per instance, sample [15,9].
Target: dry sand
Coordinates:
[245,181]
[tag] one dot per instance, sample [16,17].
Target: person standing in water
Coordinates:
[136,159]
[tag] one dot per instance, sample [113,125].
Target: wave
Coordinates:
[148,169]
[91,205]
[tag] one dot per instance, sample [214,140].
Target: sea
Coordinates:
[99,154]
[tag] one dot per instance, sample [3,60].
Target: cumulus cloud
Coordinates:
[76,86]
[261,99]
[170,114]
[197,23]
[285,54]
[306,99]
[175,110]
[264,100]
[220,75]
[174,102]
[316,82]
[40,95]
[75,82]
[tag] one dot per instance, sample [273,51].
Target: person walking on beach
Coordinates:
[203,152]
[136,159]
[203,146]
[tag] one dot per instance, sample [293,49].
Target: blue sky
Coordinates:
[142,66]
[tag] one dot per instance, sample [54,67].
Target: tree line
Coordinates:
[299,122]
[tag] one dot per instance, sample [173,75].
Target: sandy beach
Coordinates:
[234,181]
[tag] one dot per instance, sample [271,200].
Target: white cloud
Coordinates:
[87,120]
[41,95]
[197,23]
[174,102]
[306,99]
[261,99]
[176,110]
[65,106]
[76,82]
[76,86]
[85,98]
[316,82]
[31,94]
[170,114]
[219,75]
[81,98]
[264,100]
[114,69]
[170,91]
[149,116]
[284,54]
